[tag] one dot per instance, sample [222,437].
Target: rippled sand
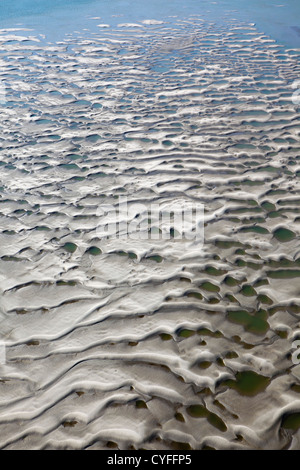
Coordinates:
[115,343]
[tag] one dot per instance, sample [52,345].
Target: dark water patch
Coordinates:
[248,383]
[284,235]
[291,421]
[94,251]
[199,411]
[210,287]
[70,247]
[166,336]
[207,332]
[66,283]
[194,294]
[212,271]
[141,404]
[248,290]
[185,333]
[264,299]
[69,424]
[203,364]
[284,274]
[156,258]
[231,281]
[256,229]
[268,206]
[256,323]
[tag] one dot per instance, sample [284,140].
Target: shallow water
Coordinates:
[154,344]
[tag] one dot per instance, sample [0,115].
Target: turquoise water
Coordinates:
[280,20]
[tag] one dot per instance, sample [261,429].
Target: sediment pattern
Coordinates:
[149,344]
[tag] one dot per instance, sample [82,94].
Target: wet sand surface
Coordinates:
[149,344]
